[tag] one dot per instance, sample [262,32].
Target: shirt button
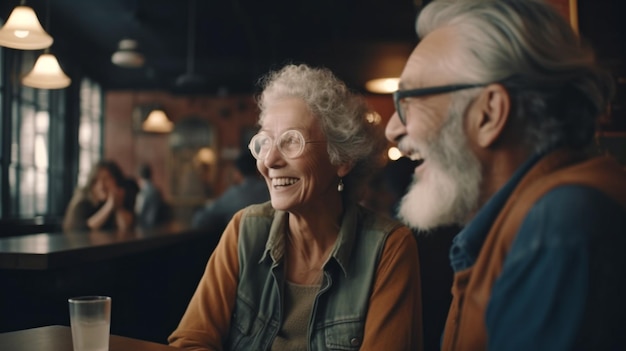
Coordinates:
[355,341]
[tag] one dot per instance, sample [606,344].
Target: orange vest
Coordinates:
[465,327]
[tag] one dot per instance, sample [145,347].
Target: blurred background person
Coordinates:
[131,185]
[310,269]
[150,207]
[249,189]
[397,177]
[387,187]
[100,204]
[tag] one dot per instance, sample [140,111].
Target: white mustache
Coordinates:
[409,149]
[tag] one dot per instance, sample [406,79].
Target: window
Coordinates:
[29,165]
[89,128]
[43,144]
[36,158]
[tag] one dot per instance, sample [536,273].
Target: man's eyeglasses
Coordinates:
[400,95]
[290,144]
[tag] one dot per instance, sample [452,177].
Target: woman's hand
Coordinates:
[113,206]
[98,219]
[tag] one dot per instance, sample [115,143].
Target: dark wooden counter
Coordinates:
[150,275]
[59,338]
[58,250]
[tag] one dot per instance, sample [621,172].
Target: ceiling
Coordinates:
[236,41]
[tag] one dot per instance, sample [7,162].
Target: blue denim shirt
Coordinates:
[540,300]
[467,244]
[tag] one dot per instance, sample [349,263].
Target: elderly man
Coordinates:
[500,99]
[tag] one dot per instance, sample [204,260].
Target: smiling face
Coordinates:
[446,184]
[304,184]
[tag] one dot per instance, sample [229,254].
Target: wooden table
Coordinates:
[59,338]
[57,250]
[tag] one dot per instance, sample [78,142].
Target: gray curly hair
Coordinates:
[353,136]
[557,88]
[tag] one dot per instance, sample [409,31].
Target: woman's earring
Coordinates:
[340,185]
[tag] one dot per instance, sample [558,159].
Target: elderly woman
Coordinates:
[102,203]
[309,270]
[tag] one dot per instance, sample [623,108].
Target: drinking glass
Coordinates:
[90,319]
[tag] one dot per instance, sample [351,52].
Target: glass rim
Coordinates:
[89,299]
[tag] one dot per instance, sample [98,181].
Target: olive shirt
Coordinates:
[390,287]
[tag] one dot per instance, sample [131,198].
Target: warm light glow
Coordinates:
[127,55]
[373,117]
[394,153]
[206,155]
[157,122]
[46,74]
[382,85]
[23,31]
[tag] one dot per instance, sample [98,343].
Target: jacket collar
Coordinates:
[341,251]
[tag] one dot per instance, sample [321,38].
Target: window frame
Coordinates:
[64,111]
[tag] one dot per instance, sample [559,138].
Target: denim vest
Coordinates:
[340,307]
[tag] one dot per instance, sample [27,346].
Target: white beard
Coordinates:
[430,201]
[449,190]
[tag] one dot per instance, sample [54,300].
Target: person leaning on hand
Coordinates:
[500,99]
[99,205]
[309,270]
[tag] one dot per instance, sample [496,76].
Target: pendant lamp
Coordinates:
[46,74]
[157,122]
[23,31]
[127,54]
[190,82]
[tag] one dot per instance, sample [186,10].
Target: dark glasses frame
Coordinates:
[401,94]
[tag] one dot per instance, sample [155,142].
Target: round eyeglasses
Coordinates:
[290,144]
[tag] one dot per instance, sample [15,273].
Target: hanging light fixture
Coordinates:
[190,82]
[127,54]
[46,74]
[23,31]
[157,122]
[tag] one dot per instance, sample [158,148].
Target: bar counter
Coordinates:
[149,273]
[57,250]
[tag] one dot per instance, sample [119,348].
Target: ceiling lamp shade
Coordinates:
[23,31]
[46,74]
[382,85]
[157,122]
[127,54]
